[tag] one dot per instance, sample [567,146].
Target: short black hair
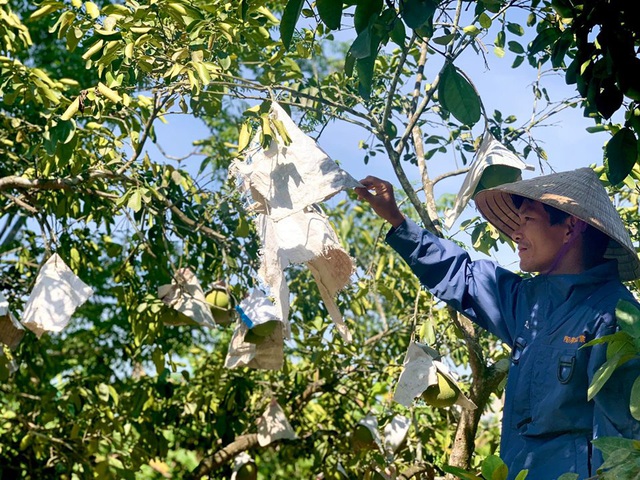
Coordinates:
[594,241]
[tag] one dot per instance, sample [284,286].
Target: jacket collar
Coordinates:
[564,284]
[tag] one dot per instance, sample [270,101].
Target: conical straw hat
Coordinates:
[578,193]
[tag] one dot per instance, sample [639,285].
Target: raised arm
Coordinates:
[480,290]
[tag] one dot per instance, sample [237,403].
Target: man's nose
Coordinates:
[516,236]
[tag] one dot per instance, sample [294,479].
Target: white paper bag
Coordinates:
[305,237]
[395,432]
[186,296]
[273,425]
[491,152]
[418,373]
[421,369]
[241,463]
[267,355]
[289,178]
[57,293]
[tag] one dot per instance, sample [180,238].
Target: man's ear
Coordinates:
[575,227]
[570,228]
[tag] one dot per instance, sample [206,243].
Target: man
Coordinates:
[568,231]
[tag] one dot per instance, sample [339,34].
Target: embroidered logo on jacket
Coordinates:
[578,339]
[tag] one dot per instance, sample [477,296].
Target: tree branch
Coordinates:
[416,470]
[157,106]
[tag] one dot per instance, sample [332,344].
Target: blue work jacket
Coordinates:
[547,422]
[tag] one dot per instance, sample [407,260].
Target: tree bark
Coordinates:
[485,380]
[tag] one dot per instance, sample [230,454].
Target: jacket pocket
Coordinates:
[559,393]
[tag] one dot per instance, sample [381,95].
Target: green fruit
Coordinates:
[172,317]
[441,395]
[248,471]
[220,303]
[362,438]
[495,175]
[265,329]
[243,229]
[260,332]
[251,337]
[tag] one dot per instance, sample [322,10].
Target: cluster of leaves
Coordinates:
[600,39]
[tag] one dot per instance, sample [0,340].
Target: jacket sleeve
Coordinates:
[611,412]
[480,290]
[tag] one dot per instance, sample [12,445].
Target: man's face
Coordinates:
[538,241]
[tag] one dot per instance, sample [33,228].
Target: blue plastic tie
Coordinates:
[243,316]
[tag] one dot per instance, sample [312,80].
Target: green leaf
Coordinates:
[596,128]
[494,468]
[568,476]
[366,11]
[289,20]
[608,98]
[628,315]
[620,155]
[515,47]
[64,131]
[515,28]
[364,67]
[458,96]
[361,46]
[245,136]
[563,8]
[634,404]
[349,64]
[71,110]
[517,61]
[560,49]
[45,10]
[444,39]
[485,20]
[92,9]
[398,33]
[103,392]
[416,13]
[460,473]
[625,348]
[135,201]
[522,475]
[609,445]
[471,30]
[607,338]
[602,375]
[545,38]
[158,360]
[330,12]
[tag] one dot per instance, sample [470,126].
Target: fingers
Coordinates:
[371,182]
[379,194]
[363,194]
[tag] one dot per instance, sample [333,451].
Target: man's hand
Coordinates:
[382,200]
